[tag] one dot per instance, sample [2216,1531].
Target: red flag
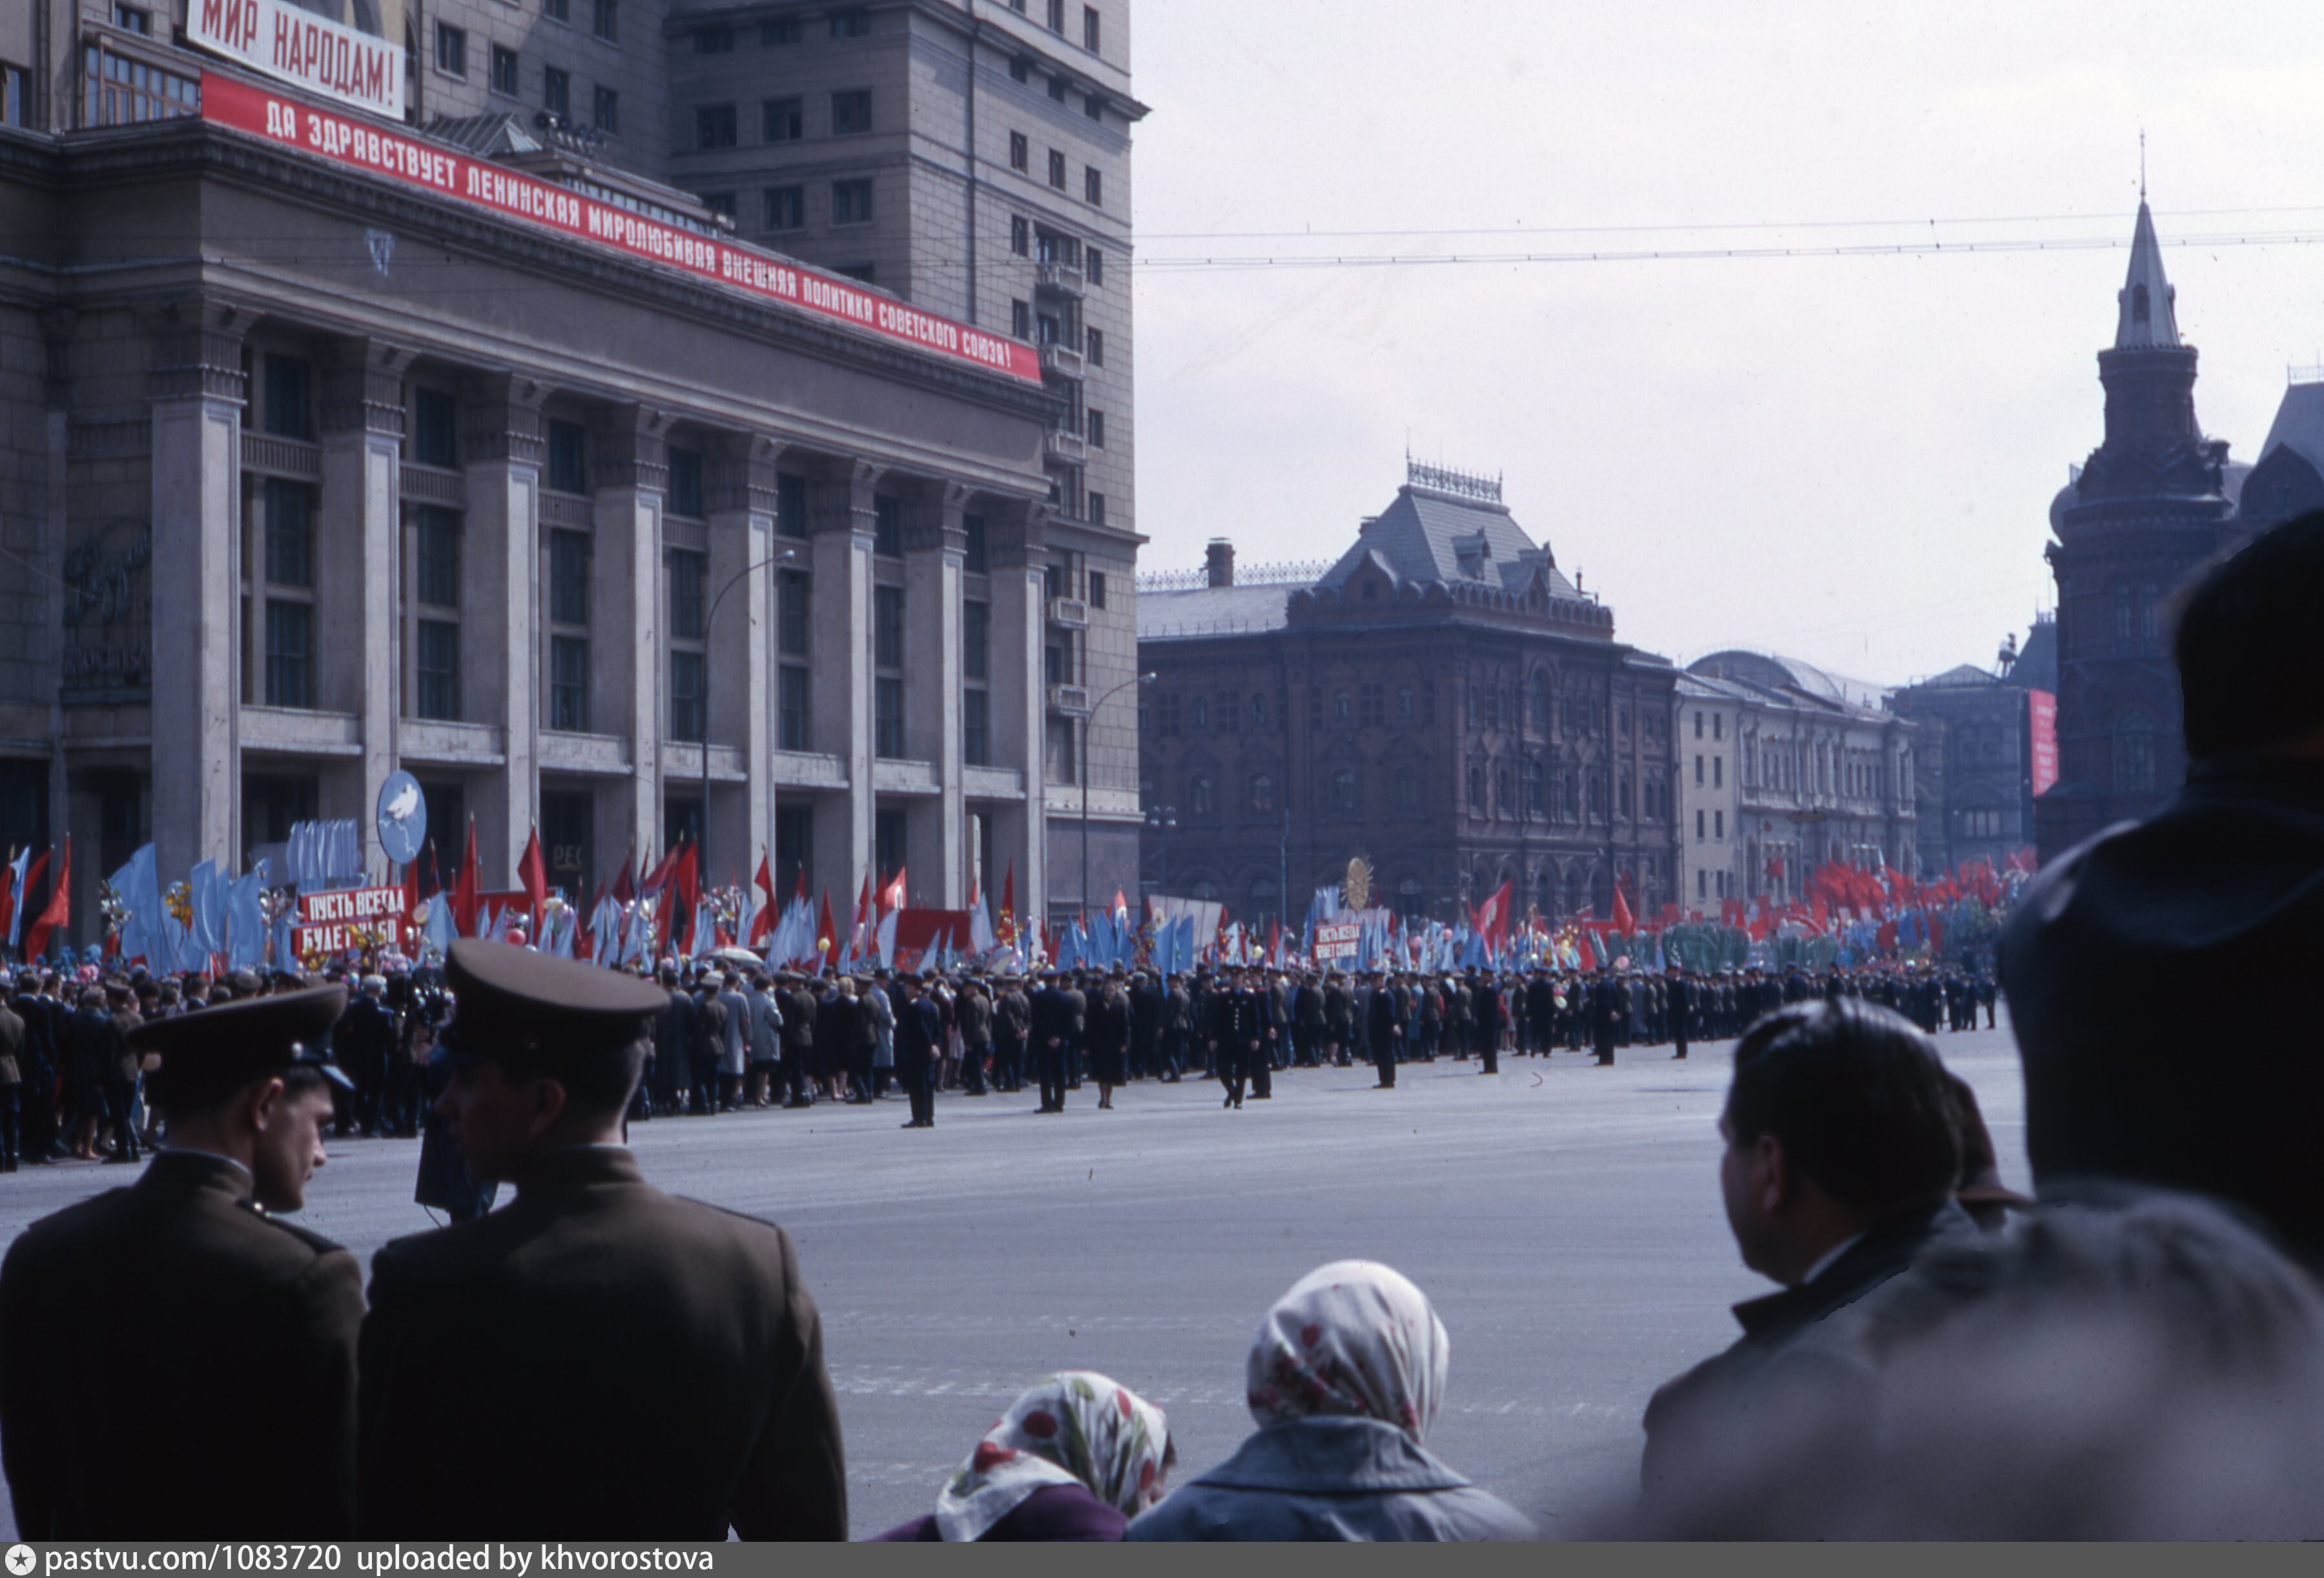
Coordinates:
[410,890]
[59,910]
[891,897]
[1004,926]
[762,925]
[1624,921]
[625,888]
[855,930]
[1491,920]
[532,876]
[827,932]
[656,880]
[686,880]
[467,891]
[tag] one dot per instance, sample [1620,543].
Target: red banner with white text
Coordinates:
[349,140]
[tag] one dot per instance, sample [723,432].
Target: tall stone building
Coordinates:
[2154,500]
[1440,702]
[1979,750]
[479,444]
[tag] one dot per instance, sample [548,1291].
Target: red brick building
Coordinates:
[1442,702]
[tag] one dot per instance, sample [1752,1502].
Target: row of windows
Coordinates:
[781,120]
[718,39]
[1092,31]
[1056,168]
[1026,239]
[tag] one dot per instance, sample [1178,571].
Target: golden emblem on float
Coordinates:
[1356,889]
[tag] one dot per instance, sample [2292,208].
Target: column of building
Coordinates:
[197,393]
[500,449]
[842,522]
[936,547]
[628,666]
[360,544]
[739,504]
[1017,548]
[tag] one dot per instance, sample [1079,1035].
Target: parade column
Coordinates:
[1015,547]
[739,501]
[936,547]
[842,521]
[197,389]
[362,522]
[630,472]
[501,450]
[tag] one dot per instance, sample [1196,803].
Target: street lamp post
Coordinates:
[709,626]
[1164,820]
[1108,696]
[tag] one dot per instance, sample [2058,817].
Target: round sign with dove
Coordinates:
[402,818]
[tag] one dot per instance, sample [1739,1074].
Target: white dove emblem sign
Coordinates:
[402,818]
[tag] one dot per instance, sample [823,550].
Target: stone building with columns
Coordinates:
[313,467]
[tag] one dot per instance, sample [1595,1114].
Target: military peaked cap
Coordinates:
[220,1049]
[512,998]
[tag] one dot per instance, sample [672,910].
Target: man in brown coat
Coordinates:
[181,1364]
[598,1361]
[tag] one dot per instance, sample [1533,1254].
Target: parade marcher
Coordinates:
[1344,1378]
[919,1030]
[1178,1028]
[1052,1030]
[1109,1042]
[367,1040]
[1487,1008]
[1012,1028]
[492,1404]
[766,1041]
[1384,1030]
[1680,1006]
[180,1363]
[975,1017]
[1841,1160]
[1075,1458]
[1234,1038]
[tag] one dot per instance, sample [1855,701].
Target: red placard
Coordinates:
[349,918]
[1336,940]
[2043,711]
[365,145]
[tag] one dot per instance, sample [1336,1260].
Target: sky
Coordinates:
[1846,458]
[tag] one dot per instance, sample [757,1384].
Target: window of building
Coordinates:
[1020,68]
[569,471]
[556,10]
[1405,788]
[781,32]
[1372,705]
[714,125]
[793,720]
[290,653]
[605,112]
[1096,429]
[785,208]
[1718,824]
[854,24]
[1477,787]
[888,626]
[1021,319]
[1097,588]
[437,558]
[556,92]
[1094,107]
[790,505]
[289,387]
[887,526]
[975,639]
[889,831]
[1057,16]
[1093,185]
[15,96]
[717,39]
[435,428]
[451,50]
[851,201]
[1097,266]
[1057,169]
[1020,153]
[1537,788]
[130,19]
[1095,339]
[782,120]
[686,482]
[289,509]
[1090,23]
[851,111]
[2134,755]
[1097,509]
[791,606]
[568,577]
[1199,711]
[1718,726]
[719,203]
[1718,772]
[975,728]
[1229,713]
[568,684]
[975,557]
[605,19]
[438,662]
[688,571]
[1344,791]
[887,717]
[504,71]
[1020,236]
[685,677]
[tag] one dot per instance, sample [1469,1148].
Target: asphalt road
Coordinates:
[1564,1219]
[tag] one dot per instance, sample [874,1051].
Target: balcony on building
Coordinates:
[1060,360]
[1059,280]
[1069,612]
[1071,701]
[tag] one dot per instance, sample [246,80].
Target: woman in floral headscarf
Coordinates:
[1344,1380]
[1075,1458]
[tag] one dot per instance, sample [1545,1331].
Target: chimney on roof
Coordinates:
[1219,561]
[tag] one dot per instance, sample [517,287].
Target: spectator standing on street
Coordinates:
[1344,1380]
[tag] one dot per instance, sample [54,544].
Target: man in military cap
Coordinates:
[596,1360]
[181,1364]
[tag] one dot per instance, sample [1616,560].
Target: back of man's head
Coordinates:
[1857,1097]
[2249,664]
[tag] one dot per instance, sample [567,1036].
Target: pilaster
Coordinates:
[740,499]
[629,468]
[1017,548]
[936,546]
[501,451]
[841,524]
[359,554]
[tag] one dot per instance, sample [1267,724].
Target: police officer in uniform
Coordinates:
[180,1364]
[596,1360]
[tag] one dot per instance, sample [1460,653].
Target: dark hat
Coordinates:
[516,999]
[221,1049]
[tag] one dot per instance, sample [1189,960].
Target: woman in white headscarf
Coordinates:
[1344,1380]
[1075,1458]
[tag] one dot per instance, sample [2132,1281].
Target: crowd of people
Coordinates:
[2138,1352]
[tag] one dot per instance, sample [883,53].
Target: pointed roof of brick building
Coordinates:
[2145,316]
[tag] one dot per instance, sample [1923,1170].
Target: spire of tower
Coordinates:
[2145,316]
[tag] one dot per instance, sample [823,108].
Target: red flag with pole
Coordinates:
[466,892]
[1624,921]
[827,932]
[532,876]
[625,888]
[1004,926]
[762,925]
[60,909]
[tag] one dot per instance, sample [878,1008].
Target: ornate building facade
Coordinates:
[1442,702]
[2152,502]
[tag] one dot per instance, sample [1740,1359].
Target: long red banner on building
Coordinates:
[352,140]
